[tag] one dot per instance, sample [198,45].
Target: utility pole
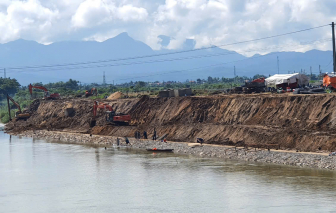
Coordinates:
[278,65]
[4,72]
[234,73]
[320,76]
[333,41]
[311,73]
[104,80]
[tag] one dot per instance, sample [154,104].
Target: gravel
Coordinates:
[263,156]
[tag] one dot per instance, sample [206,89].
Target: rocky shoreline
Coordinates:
[262,156]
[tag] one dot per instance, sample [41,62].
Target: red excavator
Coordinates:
[18,114]
[47,95]
[92,92]
[111,116]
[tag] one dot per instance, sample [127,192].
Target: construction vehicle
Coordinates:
[110,115]
[255,86]
[18,115]
[329,80]
[90,93]
[47,95]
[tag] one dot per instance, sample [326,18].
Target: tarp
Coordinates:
[284,78]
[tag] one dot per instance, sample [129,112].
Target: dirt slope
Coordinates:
[304,122]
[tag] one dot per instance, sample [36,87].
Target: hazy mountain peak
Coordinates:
[123,36]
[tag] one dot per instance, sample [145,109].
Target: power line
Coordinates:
[163,60]
[196,68]
[164,54]
[328,64]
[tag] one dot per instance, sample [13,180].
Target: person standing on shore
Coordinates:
[118,142]
[200,140]
[127,141]
[154,135]
[145,135]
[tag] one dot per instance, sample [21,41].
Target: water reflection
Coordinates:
[52,177]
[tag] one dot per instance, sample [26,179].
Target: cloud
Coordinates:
[216,22]
[208,22]
[97,12]
[24,19]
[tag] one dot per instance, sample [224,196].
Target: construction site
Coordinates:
[281,121]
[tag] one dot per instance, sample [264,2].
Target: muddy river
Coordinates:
[45,176]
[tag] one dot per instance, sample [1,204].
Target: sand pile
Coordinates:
[115,96]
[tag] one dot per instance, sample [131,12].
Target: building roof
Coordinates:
[287,78]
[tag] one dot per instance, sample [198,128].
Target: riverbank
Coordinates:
[296,122]
[312,160]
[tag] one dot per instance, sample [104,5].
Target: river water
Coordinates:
[44,176]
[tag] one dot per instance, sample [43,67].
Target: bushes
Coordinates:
[4,118]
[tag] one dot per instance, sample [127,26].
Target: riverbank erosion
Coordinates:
[287,122]
[321,161]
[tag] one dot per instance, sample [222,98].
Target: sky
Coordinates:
[208,22]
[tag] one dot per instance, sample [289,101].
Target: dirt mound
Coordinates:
[304,122]
[115,96]
[34,106]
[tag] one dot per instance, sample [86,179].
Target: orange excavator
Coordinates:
[47,95]
[18,114]
[92,92]
[111,116]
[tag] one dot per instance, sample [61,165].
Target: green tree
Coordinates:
[210,80]
[8,86]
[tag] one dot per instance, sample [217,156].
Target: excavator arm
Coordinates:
[16,104]
[18,114]
[46,92]
[118,119]
[94,91]
[36,87]
[96,106]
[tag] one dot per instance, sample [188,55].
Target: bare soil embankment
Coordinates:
[303,122]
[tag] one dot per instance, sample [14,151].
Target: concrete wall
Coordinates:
[175,93]
[183,92]
[166,93]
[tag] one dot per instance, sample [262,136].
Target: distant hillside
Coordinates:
[28,53]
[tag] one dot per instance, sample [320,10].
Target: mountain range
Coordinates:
[60,61]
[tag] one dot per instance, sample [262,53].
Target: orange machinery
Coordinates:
[111,116]
[47,95]
[92,92]
[329,80]
[19,114]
